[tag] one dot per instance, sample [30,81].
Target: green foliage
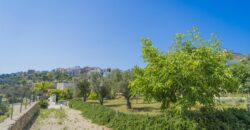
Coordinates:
[93,96]
[20,78]
[101,85]
[230,119]
[3,108]
[242,71]
[43,104]
[62,94]
[83,87]
[193,71]
[121,121]
[120,83]
[43,86]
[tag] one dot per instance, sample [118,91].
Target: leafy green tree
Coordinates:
[43,87]
[84,88]
[100,85]
[120,82]
[193,71]
[61,94]
[242,71]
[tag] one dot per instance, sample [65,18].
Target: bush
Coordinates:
[229,119]
[93,96]
[43,104]
[3,108]
[121,121]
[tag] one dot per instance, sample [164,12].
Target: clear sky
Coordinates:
[46,34]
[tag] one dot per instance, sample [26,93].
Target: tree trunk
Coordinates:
[101,100]
[128,103]
[84,98]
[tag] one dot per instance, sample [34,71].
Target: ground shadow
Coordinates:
[33,120]
[145,109]
[113,105]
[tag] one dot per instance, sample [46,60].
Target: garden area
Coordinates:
[191,86]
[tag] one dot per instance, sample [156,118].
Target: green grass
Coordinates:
[3,117]
[139,106]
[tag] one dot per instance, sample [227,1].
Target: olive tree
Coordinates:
[100,85]
[193,71]
[120,83]
[82,86]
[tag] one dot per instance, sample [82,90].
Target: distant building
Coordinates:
[64,85]
[89,70]
[31,71]
[74,71]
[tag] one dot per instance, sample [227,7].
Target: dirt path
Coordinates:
[70,119]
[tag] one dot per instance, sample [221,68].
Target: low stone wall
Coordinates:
[23,120]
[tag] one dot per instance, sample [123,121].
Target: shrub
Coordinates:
[121,121]
[93,96]
[3,108]
[43,104]
[229,119]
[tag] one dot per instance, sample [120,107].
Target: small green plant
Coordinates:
[43,104]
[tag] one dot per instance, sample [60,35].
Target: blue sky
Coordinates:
[47,34]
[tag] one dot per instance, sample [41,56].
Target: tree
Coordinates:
[100,85]
[193,71]
[242,71]
[120,82]
[127,76]
[43,87]
[84,88]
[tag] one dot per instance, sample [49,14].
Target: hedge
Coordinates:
[230,119]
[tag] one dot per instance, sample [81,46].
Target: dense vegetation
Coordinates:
[4,107]
[193,71]
[230,119]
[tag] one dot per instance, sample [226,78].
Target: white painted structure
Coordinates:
[64,85]
[52,99]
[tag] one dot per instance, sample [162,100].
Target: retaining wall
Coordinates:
[23,120]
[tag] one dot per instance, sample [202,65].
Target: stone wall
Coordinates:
[25,118]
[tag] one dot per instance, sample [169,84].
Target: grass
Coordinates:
[139,106]
[3,117]
[46,113]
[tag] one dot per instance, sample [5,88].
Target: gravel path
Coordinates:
[73,121]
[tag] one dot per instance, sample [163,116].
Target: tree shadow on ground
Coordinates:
[113,105]
[33,120]
[145,109]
